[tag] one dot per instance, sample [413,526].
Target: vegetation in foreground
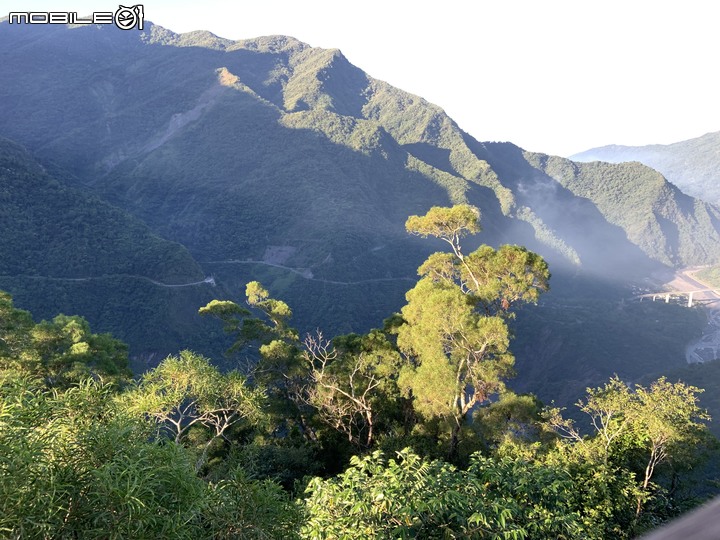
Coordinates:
[405,432]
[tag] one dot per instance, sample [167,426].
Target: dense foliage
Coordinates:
[405,432]
[60,352]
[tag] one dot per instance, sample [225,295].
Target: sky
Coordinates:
[552,76]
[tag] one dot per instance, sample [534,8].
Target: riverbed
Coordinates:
[707,347]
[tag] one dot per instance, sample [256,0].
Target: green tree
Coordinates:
[75,464]
[237,507]
[278,364]
[186,391]
[70,352]
[454,334]
[495,278]
[72,465]
[511,420]
[350,381]
[16,351]
[603,494]
[62,352]
[271,326]
[638,428]
[669,423]
[278,344]
[410,497]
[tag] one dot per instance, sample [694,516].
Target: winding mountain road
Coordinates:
[306,273]
[209,279]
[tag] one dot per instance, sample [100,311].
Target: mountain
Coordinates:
[64,250]
[656,216]
[266,159]
[41,218]
[188,133]
[692,165]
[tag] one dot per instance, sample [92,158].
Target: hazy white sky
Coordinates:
[554,76]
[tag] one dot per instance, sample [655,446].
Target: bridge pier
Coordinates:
[691,299]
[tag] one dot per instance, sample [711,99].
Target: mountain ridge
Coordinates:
[692,164]
[321,91]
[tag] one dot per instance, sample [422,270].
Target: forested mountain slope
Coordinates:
[191,132]
[692,165]
[274,161]
[656,216]
[66,250]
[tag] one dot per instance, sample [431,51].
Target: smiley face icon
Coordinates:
[128,17]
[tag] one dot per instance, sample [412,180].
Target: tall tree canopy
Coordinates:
[638,428]
[61,352]
[454,334]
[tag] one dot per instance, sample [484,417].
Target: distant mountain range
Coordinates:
[180,157]
[692,165]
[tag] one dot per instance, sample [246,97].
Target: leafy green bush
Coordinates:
[409,497]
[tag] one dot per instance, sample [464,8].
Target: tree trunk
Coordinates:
[646,481]
[454,443]
[369,439]
[305,429]
[203,457]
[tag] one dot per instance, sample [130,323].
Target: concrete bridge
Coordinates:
[697,296]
